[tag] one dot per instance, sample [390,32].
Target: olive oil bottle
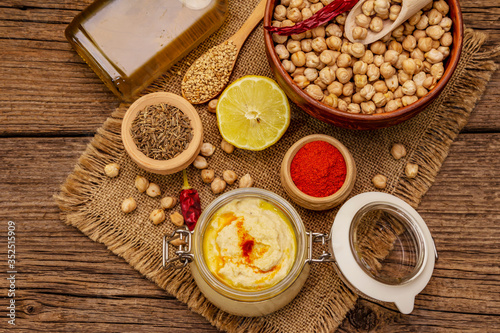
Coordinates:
[130,43]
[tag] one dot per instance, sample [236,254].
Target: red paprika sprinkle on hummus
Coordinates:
[318,169]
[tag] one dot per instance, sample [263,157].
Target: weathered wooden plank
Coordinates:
[68,282]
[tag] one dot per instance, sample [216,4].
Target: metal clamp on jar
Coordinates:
[403,271]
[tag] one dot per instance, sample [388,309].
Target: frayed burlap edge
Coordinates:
[106,146]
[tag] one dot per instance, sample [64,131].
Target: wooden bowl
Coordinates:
[307,201]
[181,161]
[361,121]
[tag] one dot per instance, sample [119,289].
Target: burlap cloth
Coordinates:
[90,201]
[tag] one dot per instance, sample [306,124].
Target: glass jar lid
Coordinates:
[382,248]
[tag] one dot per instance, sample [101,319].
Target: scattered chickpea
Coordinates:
[246,181]
[129,205]
[177,219]
[207,175]
[200,162]
[177,242]
[398,151]
[229,176]
[153,190]
[141,184]
[411,170]
[168,202]
[212,105]
[207,149]
[379,181]
[157,216]
[112,170]
[218,185]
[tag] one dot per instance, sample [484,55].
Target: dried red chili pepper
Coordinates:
[324,15]
[190,203]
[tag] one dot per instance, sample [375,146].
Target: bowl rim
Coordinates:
[177,163]
[328,201]
[450,66]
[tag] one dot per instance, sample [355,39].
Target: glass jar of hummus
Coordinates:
[250,253]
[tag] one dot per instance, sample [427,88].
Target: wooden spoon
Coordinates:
[214,83]
[408,9]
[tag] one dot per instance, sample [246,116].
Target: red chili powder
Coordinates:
[318,169]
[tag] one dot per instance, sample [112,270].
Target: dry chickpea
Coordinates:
[391,106]
[368,107]
[294,15]
[421,92]
[318,31]
[298,71]
[353,108]
[379,181]
[411,170]
[367,57]
[335,88]
[314,91]
[409,43]
[379,99]
[447,39]
[386,70]
[378,48]
[435,44]
[367,92]
[281,51]
[229,176]
[341,18]
[299,59]
[360,80]
[360,67]
[285,3]
[423,23]
[376,24]
[296,3]
[394,11]
[373,73]
[357,50]
[246,181]
[391,56]
[419,79]
[334,43]
[398,93]
[207,149]
[343,60]
[415,18]
[409,66]
[279,13]
[408,28]
[326,75]
[419,34]
[312,60]
[378,60]
[168,202]
[435,32]
[306,13]
[207,175]
[357,98]
[316,7]
[328,57]
[200,162]
[363,21]
[359,33]
[333,30]
[177,219]
[380,87]
[226,146]
[409,88]
[287,66]
[434,56]
[218,185]
[287,23]
[319,44]
[392,83]
[157,216]
[347,99]
[444,50]
[398,32]
[331,100]
[141,184]
[427,7]
[429,83]
[129,205]
[434,17]
[398,151]
[441,6]
[437,70]
[306,46]
[301,81]
[153,190]
[342,105]
[367,8]
[446,24]
[212,106]
[177,242]
[389,96]
[293,46]
[417,54]
[311,74]
[381,6]
[408,100]
[425,44]
[343,75]
[112,170]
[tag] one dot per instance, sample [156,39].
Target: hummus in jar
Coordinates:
[249,244]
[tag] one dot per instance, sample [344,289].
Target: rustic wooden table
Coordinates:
[52,104]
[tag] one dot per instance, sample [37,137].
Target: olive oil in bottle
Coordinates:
[130,43]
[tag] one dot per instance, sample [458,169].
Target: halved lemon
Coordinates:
[253,113]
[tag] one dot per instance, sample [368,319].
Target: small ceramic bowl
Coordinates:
[181,161]
[305,200]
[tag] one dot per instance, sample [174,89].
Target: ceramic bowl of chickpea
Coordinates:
[358,86]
